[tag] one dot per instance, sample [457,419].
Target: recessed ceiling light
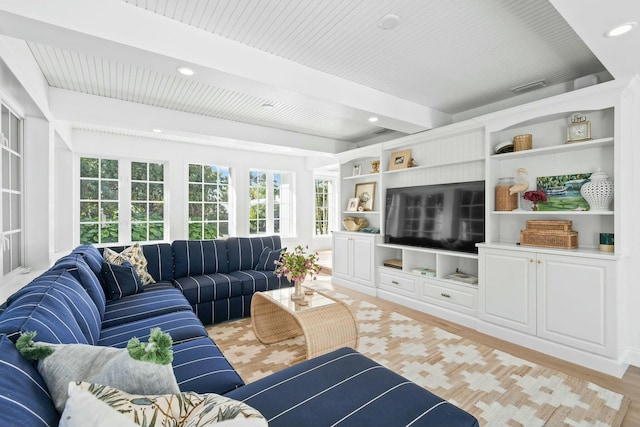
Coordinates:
[373,119]
[267,106]
[621,29]
[156,130]
[389,22]
[186,71]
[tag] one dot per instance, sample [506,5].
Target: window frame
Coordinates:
[22,250]
[287,187]
[331,205]
[231,208]
[124,198]
[148,201]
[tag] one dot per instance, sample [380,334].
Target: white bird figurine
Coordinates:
[523,186]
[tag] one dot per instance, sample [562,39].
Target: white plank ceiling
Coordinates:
[449,55]
[324,66]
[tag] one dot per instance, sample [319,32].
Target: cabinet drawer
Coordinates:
[453,296]
[397,283]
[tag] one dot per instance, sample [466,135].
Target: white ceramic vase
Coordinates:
[598,192]
[297,293]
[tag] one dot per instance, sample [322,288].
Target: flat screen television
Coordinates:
[443,216]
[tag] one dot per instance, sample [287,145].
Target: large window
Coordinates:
[324,213]
[99,210]
[147,201]
[208,202]
[118,210]
[11,203]
[270,203]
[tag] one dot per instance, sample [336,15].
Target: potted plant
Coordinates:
[296,266]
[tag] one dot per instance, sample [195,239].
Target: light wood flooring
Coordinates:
[629,384]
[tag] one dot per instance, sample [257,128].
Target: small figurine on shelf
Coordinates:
[375,166]
[522,186]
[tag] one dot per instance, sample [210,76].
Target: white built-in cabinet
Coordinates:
[353,260]
[570,300]
[575,304]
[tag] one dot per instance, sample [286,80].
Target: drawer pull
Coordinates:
[394,282]
[445,295]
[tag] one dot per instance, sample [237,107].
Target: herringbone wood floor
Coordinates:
[629,384]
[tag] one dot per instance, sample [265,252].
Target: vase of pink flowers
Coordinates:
[535,197]
[296,266]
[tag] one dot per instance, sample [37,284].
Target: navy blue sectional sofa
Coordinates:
[198,283]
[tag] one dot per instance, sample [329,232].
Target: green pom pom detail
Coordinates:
[29,349]
[157,350]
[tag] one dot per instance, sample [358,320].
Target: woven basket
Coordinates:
[522,142]
[549,225]
[549,239]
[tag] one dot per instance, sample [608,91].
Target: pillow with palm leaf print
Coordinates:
[187,409]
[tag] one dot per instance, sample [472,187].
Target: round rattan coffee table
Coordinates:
[326,324]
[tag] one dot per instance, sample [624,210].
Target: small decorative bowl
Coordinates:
[352,223]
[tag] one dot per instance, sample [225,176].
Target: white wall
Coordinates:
[38,144]
[63,201]
[177,156]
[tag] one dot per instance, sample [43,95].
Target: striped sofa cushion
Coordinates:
[346,388]
[150,303]
[212,312]
[255,281]
[92,257]
[76,264]
[198,257]
[209,287]
[55,306]
[181,325]
[199,366]
[244,252]
[24,398]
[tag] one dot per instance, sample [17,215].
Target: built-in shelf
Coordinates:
[360,212]
[439,165]
[553,213]
[364,175]
[428,250]
[602,142]
[578,252]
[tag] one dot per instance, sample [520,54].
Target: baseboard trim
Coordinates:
[609,366]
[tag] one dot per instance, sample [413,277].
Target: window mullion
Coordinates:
[270,201]
[124,201]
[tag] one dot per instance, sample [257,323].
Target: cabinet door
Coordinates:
[576,302]
[508,289]
[363,260]
[341,255]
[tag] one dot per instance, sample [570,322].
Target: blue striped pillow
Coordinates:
[120,280]
[268,258]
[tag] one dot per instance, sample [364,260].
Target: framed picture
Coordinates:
[400,160]
[352,206]
[563,192]
[366,194]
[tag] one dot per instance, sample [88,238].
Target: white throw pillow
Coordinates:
[83,409]
[181,410]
